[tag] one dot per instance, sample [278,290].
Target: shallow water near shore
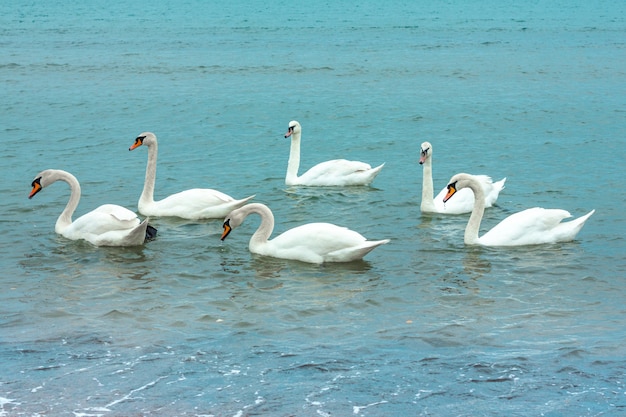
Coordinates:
[191,326]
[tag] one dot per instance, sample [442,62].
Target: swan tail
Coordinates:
[499,184]
[569,230]
[373,173]
[138,235]
[580,222]
[237,204]
[355,253]
[496,187]
[245,200]
[376,170]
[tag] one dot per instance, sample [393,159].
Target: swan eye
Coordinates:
[140,139]
[425,151]
[36,181]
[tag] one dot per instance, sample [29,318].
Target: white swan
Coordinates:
[337,172]
[108,225]
[313,242]
[529,227]
[464,201]
[194,204]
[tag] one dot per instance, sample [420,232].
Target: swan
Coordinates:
[108,225]
[313,242]
[193,204]
[464,201]
[529,227]
[337,172]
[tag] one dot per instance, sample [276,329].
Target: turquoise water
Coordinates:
[192,326]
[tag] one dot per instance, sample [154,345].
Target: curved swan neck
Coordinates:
[147,195]
[65,219]
[427,186]
[264,231]
[294,159]
[473,224]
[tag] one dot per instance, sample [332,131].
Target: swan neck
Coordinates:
[473,224]
[147,196]
[427,185]
[264,231]
[294,160]
[65,219]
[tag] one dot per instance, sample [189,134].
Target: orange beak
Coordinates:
[227,230]
[138,143]
[451,191]
[36,188]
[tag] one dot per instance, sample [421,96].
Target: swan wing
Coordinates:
[196,203]
[354,253]
[532,226]
[105,218]
[108,225]
[127,237]
[340,172]
[317,243]
[120,213]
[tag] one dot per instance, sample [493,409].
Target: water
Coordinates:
[191,326]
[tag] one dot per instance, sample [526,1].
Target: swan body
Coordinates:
[528,227]
[107,225]
[193,204]
[337,172]
[463,201]
[313,242]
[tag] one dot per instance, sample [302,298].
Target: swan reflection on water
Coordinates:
[474,264]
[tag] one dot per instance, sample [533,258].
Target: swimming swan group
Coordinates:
[113,225]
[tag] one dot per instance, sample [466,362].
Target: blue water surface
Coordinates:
[191,326]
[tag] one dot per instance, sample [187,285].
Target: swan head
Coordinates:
[294,127]
[145,138]
[45,178]
[232,221]
[426,151]
[458,182]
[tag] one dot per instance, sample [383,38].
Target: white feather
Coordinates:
[107,225]
[312,242]
[463,202]
[337,172]
[529,227]
[193,204]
